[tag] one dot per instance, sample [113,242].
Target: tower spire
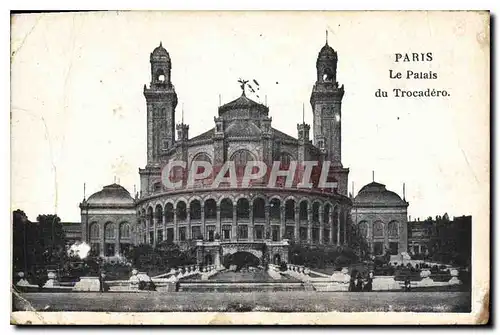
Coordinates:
[404,195]
[326,36]
[160,44]
[84,191]
[373,175]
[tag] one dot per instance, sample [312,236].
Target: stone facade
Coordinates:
[109,221]
[258,218]
[381,217]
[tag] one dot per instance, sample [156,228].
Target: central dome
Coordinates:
[111,194]
[375,194]
[242,128]
[242,103]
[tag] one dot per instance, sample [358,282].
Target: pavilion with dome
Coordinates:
[381,217]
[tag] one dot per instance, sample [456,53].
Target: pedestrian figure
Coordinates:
[407,284]
[359,283]
[368,285]
[352,285]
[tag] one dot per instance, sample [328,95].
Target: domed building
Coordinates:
[261,218]
[381,217]
[108,220]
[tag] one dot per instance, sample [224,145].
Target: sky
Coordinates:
[78,114]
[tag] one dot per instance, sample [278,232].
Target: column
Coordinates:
[188,233]
[155,227]
[338,227]
[164,223]
[282,222]
[330,237]
[147,229]
[117,240]
[321,224]
[176,229]
[386,237]
[101,252]
[309,224]
[297,224]
[203,219]
[345,226]
[251,224]
[234,226]
[267,226]
[218,226]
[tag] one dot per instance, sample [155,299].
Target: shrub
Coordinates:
[147,286]
[342,261]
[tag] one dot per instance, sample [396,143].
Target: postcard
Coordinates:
[263,167]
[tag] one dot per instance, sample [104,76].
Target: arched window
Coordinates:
[285,159]
[226,209]
[275,209]
[181,211]
[336,213]
[327,75]
[150,216]
[393,229]
[202,157]
[326,214]
[158,213]
[290,209]
[378,229]
[363,229]
[303,210]
[315,212]
[94,230]
[259,211]
[195,210]
[109,231]
[169,213]
[241,157]
[124,230]
[210,209]
[243,209]
[160,76]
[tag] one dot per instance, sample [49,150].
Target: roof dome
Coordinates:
[242,103]
[160,52]
[113,194]
[327,51]
[241,128]
[375,194]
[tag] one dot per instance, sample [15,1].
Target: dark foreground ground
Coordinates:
[246,301]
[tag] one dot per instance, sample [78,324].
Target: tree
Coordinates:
[358,242]
[21,229]
[51,236]
[37,245]
[164,256]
